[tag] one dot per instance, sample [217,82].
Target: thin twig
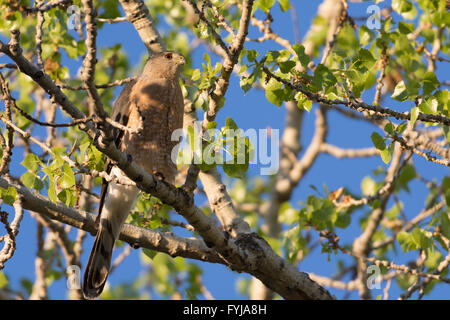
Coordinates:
[379,87]
[50,124]
[100,86]
[7,146]
[12,229]
[359,106]
[211,28]
[405,145]
[338,24]
[112,20]
[178,224]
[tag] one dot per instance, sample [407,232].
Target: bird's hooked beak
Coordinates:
[181,60]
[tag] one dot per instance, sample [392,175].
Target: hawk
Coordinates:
[155,99]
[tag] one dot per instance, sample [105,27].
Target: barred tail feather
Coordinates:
[119,200]
[97,268]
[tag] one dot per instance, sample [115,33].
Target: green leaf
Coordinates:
[207,58]
[70,46]
[31,181]
[230,124]
[411,14]
[83,149]
[155,222]
[196,74]
[343,220]
[405,241]
[302,56]
[364,60]
[211,125]
[3,280]
[429,106]
[440,18]
[68,178]
[13,21]
[275,97]
[433,259]
[324,215]
[284,5]
[242,153]
[446,186]
[323,78]
[412,88]
[95,159]
[368,186]
[191,138]
[234,170]
[386,154]
[31,162]
[414,115]
[428,34]
[366,35]
[286,66]
[445,219]
[405,28]
[272,55]
[293,242]
[408,173]
[266,5]
[67,196]
[251,55]
[378,141]
[402,6]
[52,190]
[400,92]
[401,127]
[246,83]
[81,47]
[288,214]
[421,240]
[389,128]
[430,82]
[274,93]
[149,253]
[9,196]
[303,102]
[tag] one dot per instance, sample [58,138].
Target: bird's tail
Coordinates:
[97,268]
[119,200]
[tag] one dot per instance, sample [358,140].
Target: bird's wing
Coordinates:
[120,113]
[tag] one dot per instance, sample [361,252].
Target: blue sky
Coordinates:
[254,111]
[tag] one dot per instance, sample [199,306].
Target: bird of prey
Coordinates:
[155,101]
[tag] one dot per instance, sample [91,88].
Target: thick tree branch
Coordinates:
[90,61]
[137,13]
[361,245]
[146,238]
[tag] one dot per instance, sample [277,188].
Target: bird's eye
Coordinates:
[168,56]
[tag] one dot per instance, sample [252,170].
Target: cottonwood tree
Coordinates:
[380,69]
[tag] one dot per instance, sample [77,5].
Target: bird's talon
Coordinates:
[135,245]
[158,175]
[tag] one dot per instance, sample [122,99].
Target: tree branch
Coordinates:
[360,106]
[146,238]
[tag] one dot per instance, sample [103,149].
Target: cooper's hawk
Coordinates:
[155,99]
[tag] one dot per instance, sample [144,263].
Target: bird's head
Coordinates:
[166,64]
